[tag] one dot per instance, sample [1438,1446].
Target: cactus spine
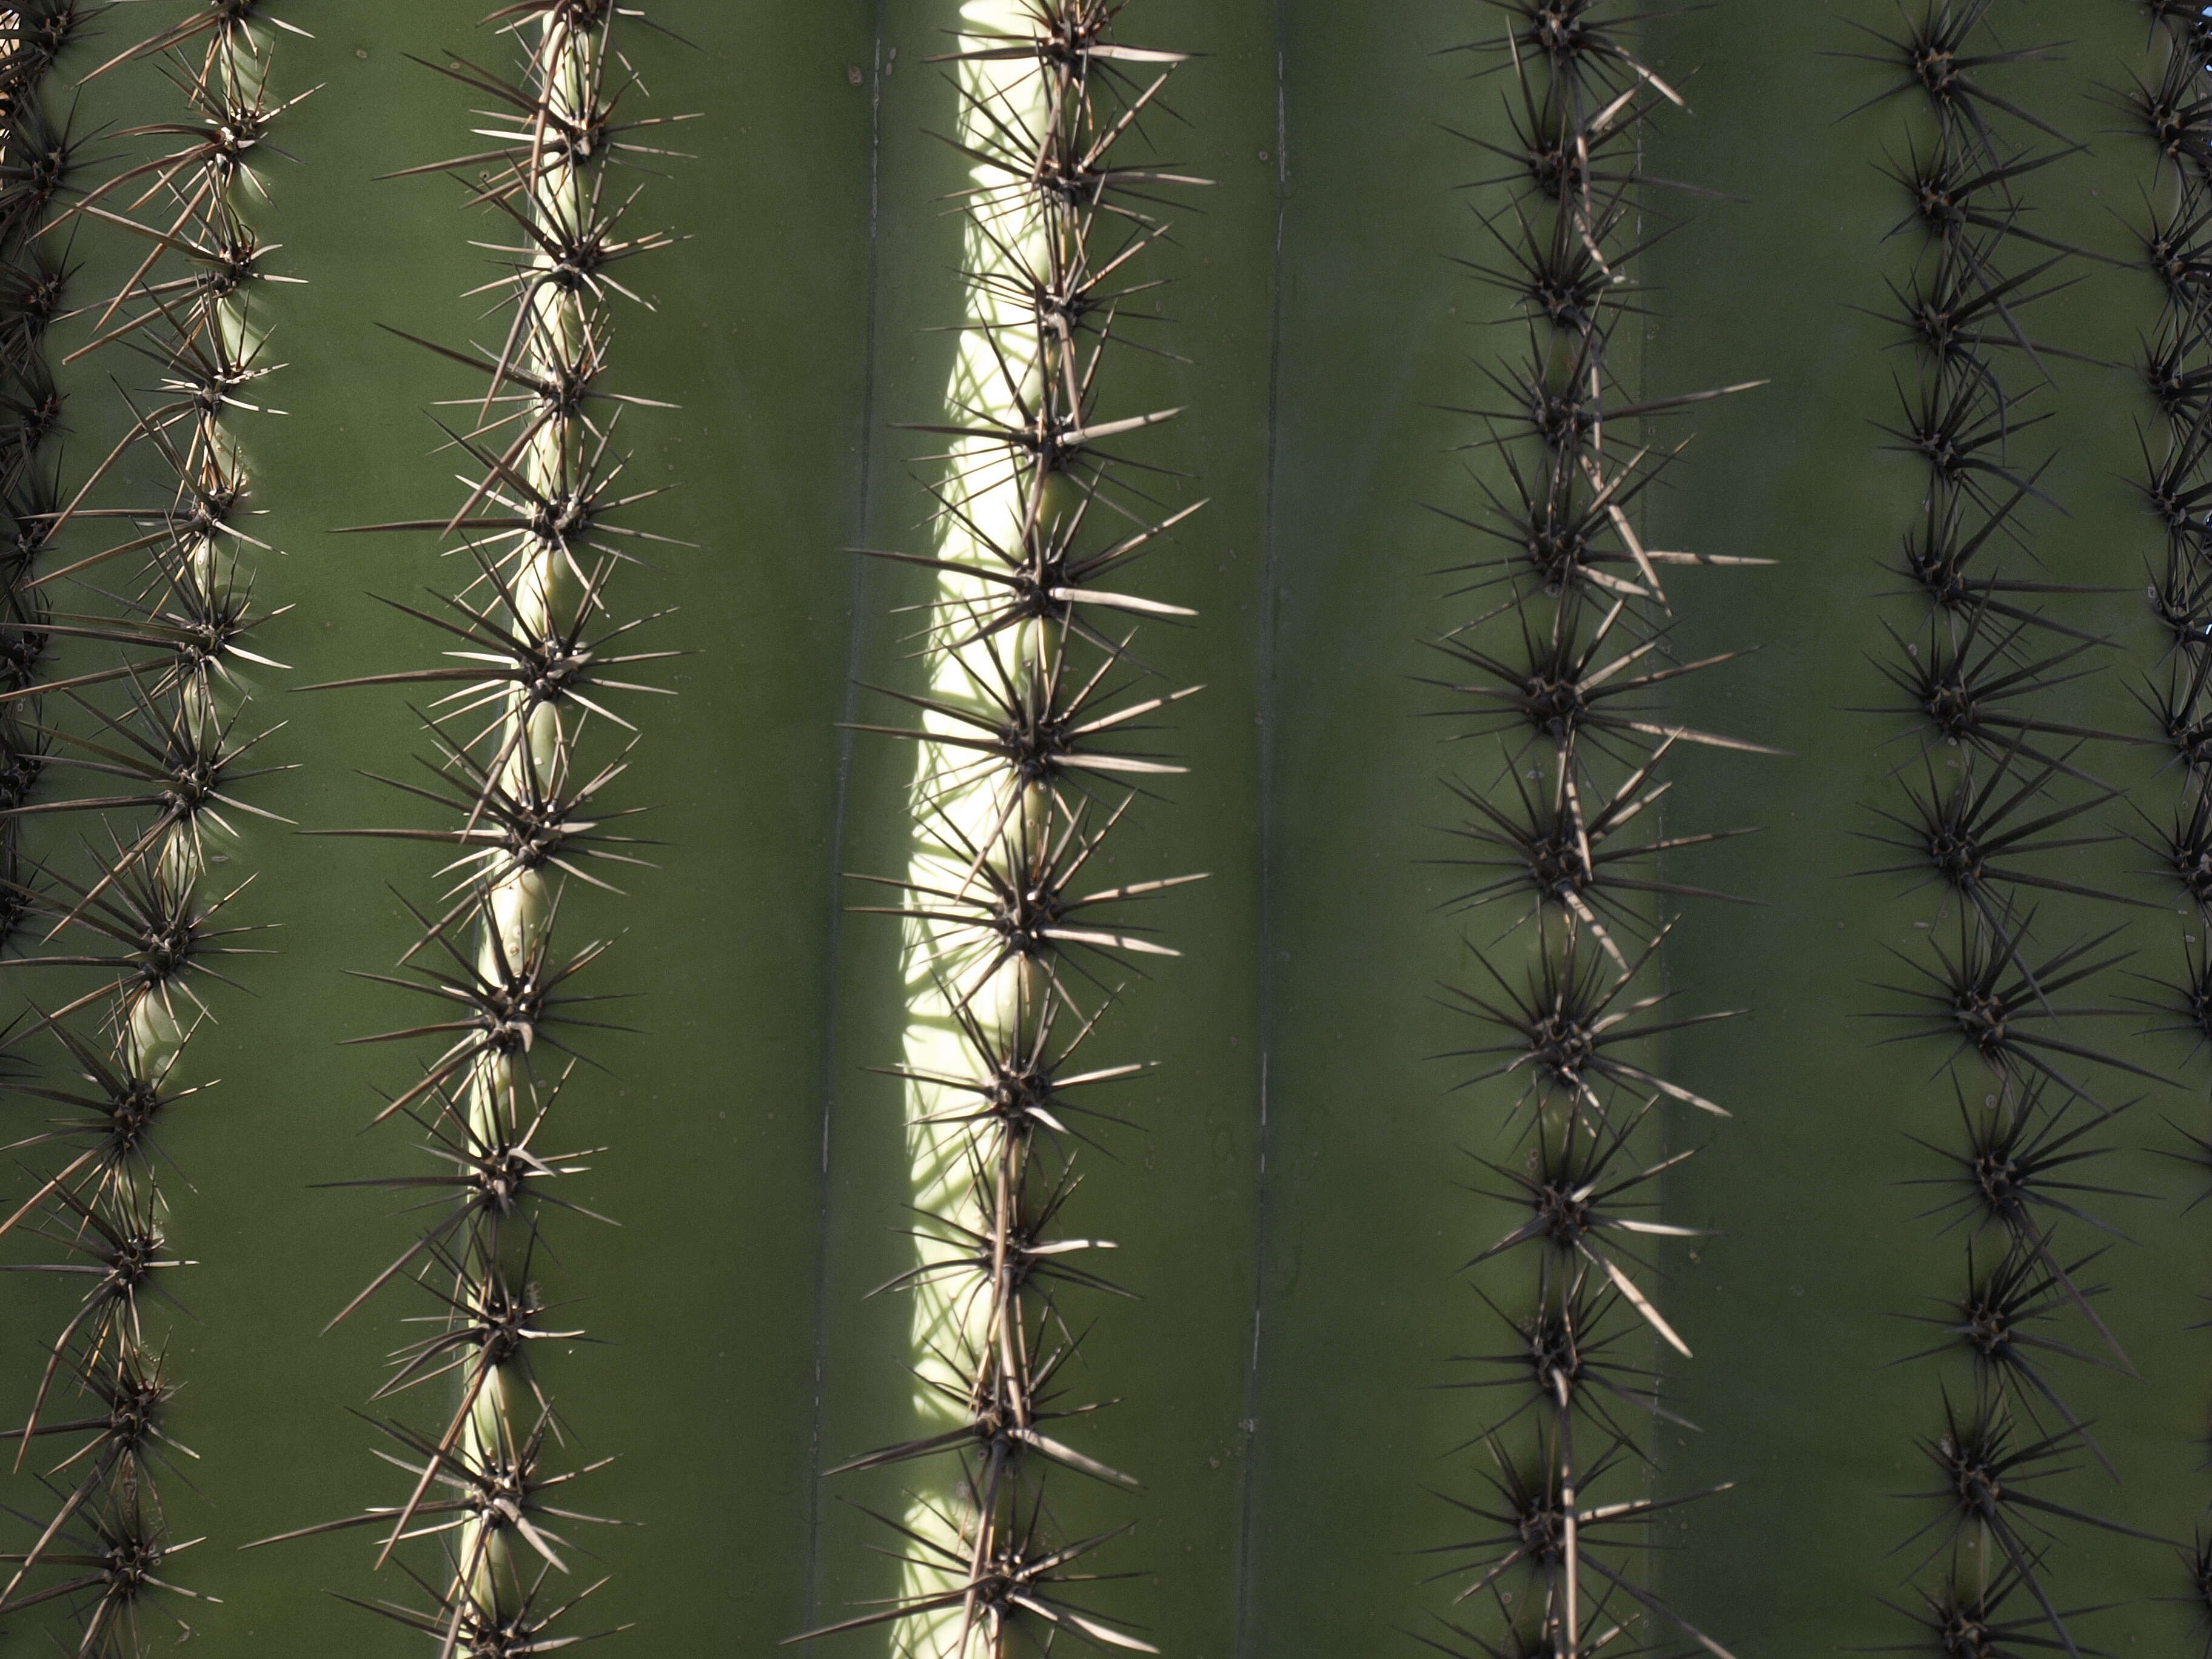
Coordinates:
[2171,107]
[522,730]
[1557,639]
[1024,767]
[1989,784]
[162,736]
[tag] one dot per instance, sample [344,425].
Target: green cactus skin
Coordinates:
[1558,665]
[2163,85]
[130,856]
[528,750]
[1033,733]
[1295,1167]
[1979,822]
[1819,1253]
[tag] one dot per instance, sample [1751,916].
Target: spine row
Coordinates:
[131,627]
[530,731]
[1561,676]
[1031,732]
[1988,788]
[2172,107]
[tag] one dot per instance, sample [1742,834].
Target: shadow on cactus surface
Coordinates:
[626,627]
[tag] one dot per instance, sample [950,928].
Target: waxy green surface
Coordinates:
[705,1298]
[1178,1192]
[1296,1139]
[1796,1307]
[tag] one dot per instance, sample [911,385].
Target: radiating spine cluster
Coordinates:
[39,165]
[1030,752]
[149,705]
[2172,104]
[1988,787]
[526,740]
[1562,671]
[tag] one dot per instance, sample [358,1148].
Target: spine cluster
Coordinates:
[1990,786]
[2172,107]
[1029,730]
[1561,673]
[125,631]
[527,740]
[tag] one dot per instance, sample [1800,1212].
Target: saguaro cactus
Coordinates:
[546,654]
[862,1190]
[1558,651]
[170,761]
[1016,942]
[1999,782]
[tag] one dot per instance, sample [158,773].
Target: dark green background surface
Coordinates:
[1796,1302]
[1296,1137]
